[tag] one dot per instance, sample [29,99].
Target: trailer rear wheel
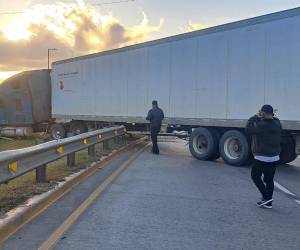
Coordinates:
[288,153]
[204,144]
[57,131]
[78,127]
[235,148]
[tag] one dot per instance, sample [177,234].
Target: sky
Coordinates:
[86,26]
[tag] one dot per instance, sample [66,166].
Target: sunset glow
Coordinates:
[73,28]
[5,75]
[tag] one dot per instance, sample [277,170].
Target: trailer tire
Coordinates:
[78,127]
[235,148]
[288,153]
[203,144]
[57,131]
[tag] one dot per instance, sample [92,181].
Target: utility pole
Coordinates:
[49,56]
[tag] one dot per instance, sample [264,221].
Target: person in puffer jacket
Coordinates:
[265,132]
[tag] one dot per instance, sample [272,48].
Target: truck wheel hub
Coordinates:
[232,148]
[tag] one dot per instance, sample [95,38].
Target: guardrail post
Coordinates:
[71,160]
[112,142]
[123,140]
[91,151]
[115,140]
[40,174]
[120,140]
[100,147]
[106,145]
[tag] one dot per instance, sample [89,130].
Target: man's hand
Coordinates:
[259,114]
[255,118]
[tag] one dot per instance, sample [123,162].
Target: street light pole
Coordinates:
[49,56]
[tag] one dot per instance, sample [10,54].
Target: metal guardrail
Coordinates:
[15,163]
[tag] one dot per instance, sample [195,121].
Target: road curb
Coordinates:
[10,226]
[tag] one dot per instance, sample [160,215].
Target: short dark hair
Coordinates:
[154,103]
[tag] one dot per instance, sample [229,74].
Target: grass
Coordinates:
[18,143]
[19,190]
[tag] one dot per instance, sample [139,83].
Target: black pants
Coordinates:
[265,186]
[154,132]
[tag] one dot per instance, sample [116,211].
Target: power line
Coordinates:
[104,3]
[114,2]
[11,13]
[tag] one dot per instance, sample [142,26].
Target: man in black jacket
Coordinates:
[155,116]
[265,131]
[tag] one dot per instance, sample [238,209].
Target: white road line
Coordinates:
[283,189]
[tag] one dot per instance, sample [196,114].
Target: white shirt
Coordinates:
[267,158]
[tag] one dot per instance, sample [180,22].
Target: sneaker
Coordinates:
[267,201]
[268,205]
[263,202]
[260,203]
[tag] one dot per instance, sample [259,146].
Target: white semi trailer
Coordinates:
[209,82]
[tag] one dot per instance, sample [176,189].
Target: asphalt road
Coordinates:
[174,201]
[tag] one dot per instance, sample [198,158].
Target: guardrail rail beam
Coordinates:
[15,163]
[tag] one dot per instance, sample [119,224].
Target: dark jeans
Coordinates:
[265,186]
[154,132]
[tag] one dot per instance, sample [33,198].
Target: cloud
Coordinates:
[32,53]
[74,29]
[12,5]
[194,26]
